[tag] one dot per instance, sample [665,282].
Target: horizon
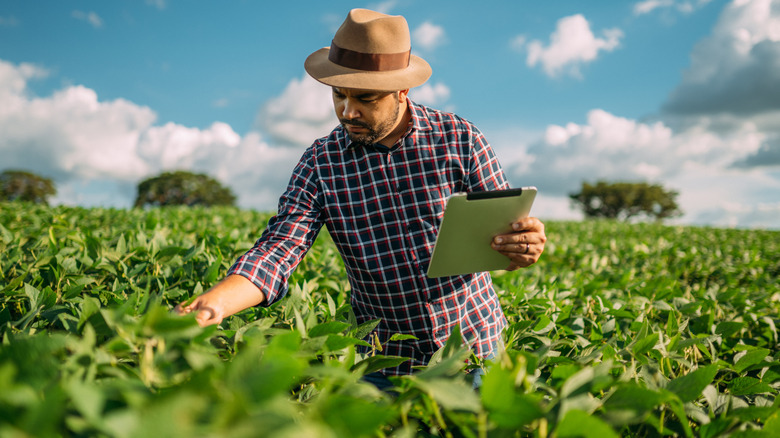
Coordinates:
[683,93]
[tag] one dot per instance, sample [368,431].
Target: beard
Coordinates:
[374,133]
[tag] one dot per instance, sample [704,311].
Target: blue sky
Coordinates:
[99,95]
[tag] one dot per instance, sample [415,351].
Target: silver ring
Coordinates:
[527,248]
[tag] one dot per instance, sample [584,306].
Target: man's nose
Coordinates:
[351,110]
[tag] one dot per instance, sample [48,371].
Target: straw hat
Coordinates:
[370,51]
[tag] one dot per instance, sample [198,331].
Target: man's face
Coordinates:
[368,116]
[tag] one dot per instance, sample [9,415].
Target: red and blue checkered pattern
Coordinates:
[383,207]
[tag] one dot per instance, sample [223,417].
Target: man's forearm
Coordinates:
[237,293]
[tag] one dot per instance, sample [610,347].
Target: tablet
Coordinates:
[470,222]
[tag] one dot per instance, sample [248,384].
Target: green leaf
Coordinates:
[212,273]
[772,424]
[376,363]
[451,394]
[161,322]
[717,427]
[507,407]
[366,328]
[645,344]
[543,325]
[690,386]
[635,398]
[6,235]
[578,382]
[352,417]
[754,413]
[622,313]
[445,366]
[88,399]
[121,245]
[300,325]
[401,337]
[748,386]
[331,305]
[40,299]
[728,328]
[337,342]
[752,357]
[580,424]
[327,328]
[672,326]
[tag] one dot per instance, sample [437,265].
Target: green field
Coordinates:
[619,330]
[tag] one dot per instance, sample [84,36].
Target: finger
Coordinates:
[519,258]
[518,262]
[516,242]
[207,316]
[181,310]
[527,224]
[509,239]
[519,237]
[517,250]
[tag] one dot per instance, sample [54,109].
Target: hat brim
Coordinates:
[322,69]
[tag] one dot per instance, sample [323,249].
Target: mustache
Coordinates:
[355,123]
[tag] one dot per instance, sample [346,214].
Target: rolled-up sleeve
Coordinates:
[288,237]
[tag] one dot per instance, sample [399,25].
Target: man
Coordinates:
[379,182]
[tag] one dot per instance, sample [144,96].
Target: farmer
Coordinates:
[379,182]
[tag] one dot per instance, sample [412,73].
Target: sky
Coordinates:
[99,95]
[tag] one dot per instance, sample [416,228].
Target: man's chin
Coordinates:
[361,140]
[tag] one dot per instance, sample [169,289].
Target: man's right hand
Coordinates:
[231,295]
[207,312]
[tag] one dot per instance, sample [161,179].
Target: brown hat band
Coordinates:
[368,61]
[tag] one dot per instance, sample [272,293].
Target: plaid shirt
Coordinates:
[382,207]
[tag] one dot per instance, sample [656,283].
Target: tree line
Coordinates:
[613,200]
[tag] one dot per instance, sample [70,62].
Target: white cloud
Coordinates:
[159,4]
[518,43]
[428,36]
[685,6]
[736,70]
[716,140]
[222,102]
[384,7]
[728,197]
[13,83]
[97,151]
[301,114]
[571,45]
[72,134]
[430,94]
[696,161]
[256,170]
[90,17]
[650,5]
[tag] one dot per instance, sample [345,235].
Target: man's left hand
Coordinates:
[525,245]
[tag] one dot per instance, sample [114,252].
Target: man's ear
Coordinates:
[402,95]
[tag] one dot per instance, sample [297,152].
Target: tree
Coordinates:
[19,185]
[183,188]
[624,200]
